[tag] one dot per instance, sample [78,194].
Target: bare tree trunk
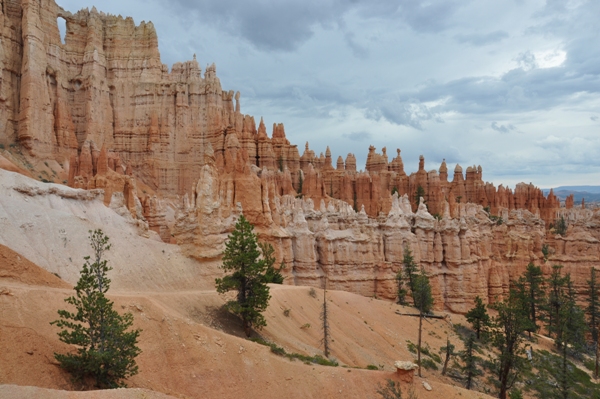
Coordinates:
[447,357]
[419,344]
[429,316]
[324,318]
[597,356]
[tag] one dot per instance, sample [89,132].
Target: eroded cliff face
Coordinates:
[105,87]
[104,108]
[466,253]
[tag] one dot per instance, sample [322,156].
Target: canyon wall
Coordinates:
[106,88]
[103,108]
[466,253]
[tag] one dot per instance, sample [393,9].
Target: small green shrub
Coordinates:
[312,292]
[428,364]
[425,350]
[589,364]
[391,390]
[496,219]
[560,226]
[286,312]
[372,367]
[545,252]
[515,394]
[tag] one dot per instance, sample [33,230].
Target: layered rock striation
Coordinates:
[466,253]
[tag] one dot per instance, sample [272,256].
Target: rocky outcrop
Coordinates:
[105,87]
[466,253]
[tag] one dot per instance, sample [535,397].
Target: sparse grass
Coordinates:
[589,364]
[425,350]
[391,390]
[412,348]
[372,367]
[317,359]
[286,312]
[428,364]
[305,326]
[312,292]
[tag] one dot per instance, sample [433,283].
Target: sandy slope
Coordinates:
[20,392]
[191,348]
[49,223]
[182,357]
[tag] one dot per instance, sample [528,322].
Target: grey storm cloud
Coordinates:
[502,128]
[358,136]
[409,112]
[286,24]
[518,90]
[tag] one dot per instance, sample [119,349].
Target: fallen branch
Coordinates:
[426,316]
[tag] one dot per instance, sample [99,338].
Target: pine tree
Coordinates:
[401,292]
[478,316]
[570,334]
[410,271]
[593,314]
[506,331]
[106,350]
[419,193]
[533,284]
[272,275]
[556,283]
[469,359]
[241,257]
[325,321]
[519,292]
[424,303]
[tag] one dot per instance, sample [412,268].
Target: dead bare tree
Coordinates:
[324,319]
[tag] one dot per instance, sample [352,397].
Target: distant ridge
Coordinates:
[590,193]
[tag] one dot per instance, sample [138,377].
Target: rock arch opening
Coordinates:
[62,29]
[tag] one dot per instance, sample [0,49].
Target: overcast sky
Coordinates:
[511,85]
